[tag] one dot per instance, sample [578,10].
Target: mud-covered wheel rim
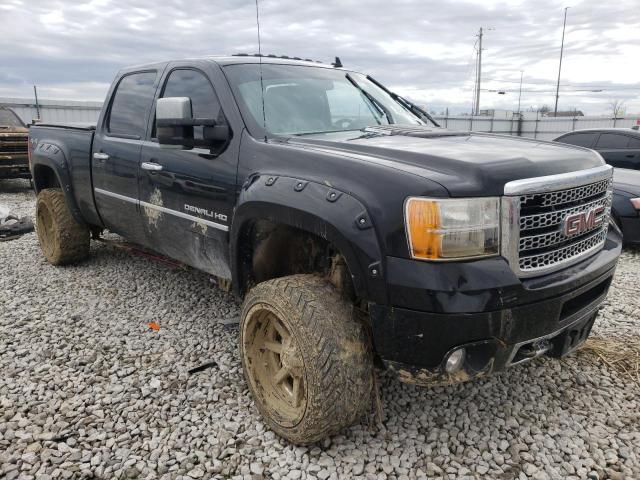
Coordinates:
[275,365]
[44,223]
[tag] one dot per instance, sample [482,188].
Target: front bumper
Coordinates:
[500,319]
[14,166]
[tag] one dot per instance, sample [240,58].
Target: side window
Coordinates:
[612,140]
[634,143]
[131,102]
[579,139]
[204,101]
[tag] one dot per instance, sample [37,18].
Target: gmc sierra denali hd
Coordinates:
[354,229]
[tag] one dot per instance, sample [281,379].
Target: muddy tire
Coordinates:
[306,358]
[62,239]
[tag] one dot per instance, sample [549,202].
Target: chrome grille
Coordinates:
[534,214]
[565,196]
[551,218]
[571,250]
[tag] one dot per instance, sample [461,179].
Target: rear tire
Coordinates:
[306,358]
[63,240]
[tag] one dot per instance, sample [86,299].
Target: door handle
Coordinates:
[100,156]
[630,155]
[150,166]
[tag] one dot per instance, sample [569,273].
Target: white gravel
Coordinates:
[88,390]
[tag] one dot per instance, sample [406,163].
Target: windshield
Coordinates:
[300,100]
[9,119]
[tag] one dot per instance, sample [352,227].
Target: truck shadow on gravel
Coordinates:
[534,393]
[15,186]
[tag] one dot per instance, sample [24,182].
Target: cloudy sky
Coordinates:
[423,48]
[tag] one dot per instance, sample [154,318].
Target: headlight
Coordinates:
[452,229]
[636,203]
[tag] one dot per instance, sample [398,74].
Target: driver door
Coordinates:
[187,194]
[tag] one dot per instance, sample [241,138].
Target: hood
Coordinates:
[627,181]
[466,164]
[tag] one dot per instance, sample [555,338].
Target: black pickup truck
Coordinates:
[355,230]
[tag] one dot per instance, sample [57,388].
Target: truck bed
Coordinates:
[74,142]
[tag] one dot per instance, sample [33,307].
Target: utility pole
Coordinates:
[564,26]
[35,92]
[478,74]
[520,92]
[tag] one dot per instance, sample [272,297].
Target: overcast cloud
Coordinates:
[423,48]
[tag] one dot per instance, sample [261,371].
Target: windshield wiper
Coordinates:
[381,109]
[412,107]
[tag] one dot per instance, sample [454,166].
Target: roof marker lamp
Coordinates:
[452,229]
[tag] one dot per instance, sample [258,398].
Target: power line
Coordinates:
[469,72]
[586,85]
[541,91]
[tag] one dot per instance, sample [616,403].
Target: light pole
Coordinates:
[520,91]
[479,73]
[564,26]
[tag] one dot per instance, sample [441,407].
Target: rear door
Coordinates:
[116,154]
[632,157]
[614,149]
[187,195]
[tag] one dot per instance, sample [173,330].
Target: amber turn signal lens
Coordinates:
[423,222]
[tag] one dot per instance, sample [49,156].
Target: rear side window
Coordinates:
[579,139]
[634,143]
[131,103]
[612,140]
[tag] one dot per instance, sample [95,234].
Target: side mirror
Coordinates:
[175,126]
[172,117]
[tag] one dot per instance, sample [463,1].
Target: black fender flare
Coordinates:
[319,209]
[52,156]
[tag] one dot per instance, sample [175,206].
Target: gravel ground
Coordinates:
[88,390]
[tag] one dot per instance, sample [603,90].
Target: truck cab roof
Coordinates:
[237,59]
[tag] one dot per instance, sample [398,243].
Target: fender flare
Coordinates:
[318,209]
[52,156]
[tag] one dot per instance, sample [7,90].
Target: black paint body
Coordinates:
[419,309]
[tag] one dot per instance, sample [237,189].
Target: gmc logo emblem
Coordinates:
[584,221]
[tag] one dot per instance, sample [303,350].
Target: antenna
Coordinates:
[264,112]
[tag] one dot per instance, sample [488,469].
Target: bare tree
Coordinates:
[544,109]
[617,108]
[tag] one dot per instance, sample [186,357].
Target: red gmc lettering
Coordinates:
[583,221]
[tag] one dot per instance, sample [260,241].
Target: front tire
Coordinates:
[306,358]
[63,240]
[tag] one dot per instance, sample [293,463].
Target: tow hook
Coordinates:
[532,350]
